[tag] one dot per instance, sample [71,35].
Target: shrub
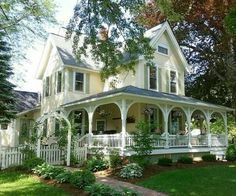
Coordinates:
[95,164]
[81,179]
[185,160]
[115,159]
[209,157]
[231,153]
[63,177]
[132,170]
[30,163]
[102,189]
[48,171]
[165,161]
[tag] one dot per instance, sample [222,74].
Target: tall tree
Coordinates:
[7,101]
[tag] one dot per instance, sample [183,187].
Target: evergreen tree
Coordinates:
[7,100]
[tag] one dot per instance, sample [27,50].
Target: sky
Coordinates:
[64,12]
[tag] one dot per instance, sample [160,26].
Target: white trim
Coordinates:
[176,83]
[157,82]
[101,120]
[84,80]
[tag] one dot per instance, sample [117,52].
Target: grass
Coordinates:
[17,183]
[206,181]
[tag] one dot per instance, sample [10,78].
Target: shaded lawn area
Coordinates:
[206,181]
[18,183]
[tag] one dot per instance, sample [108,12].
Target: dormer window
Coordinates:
[79,81]
[173,81]
[163,50]
[153,78]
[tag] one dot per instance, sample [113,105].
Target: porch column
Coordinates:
[226,128]
[208,118]
[123,123]
[188,116]
[90,124]
[165,115]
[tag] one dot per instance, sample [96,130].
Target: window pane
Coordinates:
[101,126]
[163,50]
[172,81]
[79,81]
[59,81]
[153,78]
[78,121]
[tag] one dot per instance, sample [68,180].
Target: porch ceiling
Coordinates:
[135,92]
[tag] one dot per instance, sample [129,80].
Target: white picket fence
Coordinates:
[50,154]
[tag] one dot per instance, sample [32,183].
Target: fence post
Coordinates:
[86,151]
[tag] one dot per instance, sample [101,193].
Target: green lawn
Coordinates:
[206,181]
[17,183]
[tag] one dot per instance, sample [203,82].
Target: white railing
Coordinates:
[108,140]
[11,157]
[200,140]
[81,153]
[52,154]
[178,140]
[218,140]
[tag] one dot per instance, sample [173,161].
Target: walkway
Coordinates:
[116,183]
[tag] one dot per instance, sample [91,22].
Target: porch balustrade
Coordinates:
[174,141]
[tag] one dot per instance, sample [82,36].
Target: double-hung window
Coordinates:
[79,81]
[153,78]
[173,80]
[59,81]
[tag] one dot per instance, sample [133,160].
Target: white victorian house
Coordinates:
[106,113]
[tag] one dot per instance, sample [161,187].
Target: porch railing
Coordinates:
[115,140]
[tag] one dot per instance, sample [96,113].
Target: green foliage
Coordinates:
[30,163]
[143,142]
[231,153]
[185,160]
[132,170]
[164,161]
[98,189]
[110,32]
[48,171]
[115,159]
[96,164]
[209,158]
[7,103]
[63,177]
[81,179]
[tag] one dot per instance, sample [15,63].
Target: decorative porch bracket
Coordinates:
[57,115]
[124,106]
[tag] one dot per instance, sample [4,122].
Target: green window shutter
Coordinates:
[87,83]
[160,79]
[70,79]
[145,76]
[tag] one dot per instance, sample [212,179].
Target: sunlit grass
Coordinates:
[17,183]
[206,181]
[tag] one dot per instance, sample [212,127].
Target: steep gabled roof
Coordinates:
[155,34]
[64,50]
[25,100]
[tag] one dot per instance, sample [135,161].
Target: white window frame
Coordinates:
[84,85]
[157,73]
[99,120]
[164,46]
[177,89]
